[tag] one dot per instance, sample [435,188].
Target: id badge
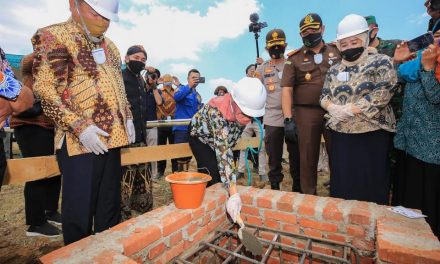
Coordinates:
[343,76]
[99,55]
[317,58]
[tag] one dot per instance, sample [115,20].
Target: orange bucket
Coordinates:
[188,188]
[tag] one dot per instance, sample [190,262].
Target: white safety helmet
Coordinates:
[106,8]
[351,25]
[250,95]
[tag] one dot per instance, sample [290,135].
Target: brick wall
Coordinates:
[162,234]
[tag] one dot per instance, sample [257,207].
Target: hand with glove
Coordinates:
[131,133]
[233,206]
[90,139]
[340,112]
[290,130]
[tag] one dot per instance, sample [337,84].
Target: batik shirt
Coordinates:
[75,91]
[418,130]
[369,85]
[211,128]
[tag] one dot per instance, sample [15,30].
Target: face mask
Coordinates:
[352,54]
[167,83]
[276,53]
[136,66]
[312,40]
[95,28]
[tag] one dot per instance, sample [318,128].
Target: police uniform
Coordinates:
[305,71]
[270,74]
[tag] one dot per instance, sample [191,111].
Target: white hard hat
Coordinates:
[106,8]
[250,95]
[351,25]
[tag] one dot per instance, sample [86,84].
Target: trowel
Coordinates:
[249,241]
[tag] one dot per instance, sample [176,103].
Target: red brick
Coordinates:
[322,250]
[359,216]
[206,219]
[124,225]
[294,229]
[211,205]
[307,206]
[140,239]
[247,199]
[312,233]
[219,212]
[318,225]
[198,213]
[66,251]
[280,216]
[288,256]
[285,203]
[201,233]
[175,221]
[156,251]
[267,235]
[332,212]
[250,210]
[105,257]
[174,252]
[214,224]
[336,237]
[355,230]
[264,202]
[273,260]
[367,260]
[176,238]
[363,245]
[287,240]
[191,229]
[221,201]
[271,224]
[253,220]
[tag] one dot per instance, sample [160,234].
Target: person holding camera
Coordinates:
[303,78]
[418,131]
[356,94]
[188,102]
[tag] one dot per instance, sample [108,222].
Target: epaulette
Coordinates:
[293,52]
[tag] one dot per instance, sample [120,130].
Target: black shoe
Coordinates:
[275,185]
[54,218]
[45,230]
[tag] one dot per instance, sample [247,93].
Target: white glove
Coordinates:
[233,206]
[131,131]
[340,112]
[90,140]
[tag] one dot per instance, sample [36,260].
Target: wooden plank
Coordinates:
[23,170]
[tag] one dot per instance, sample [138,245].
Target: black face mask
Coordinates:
[276,53]
[136,66]
[312,40]
[352,54]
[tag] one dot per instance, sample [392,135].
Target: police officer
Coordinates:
[302,81]
[270,72]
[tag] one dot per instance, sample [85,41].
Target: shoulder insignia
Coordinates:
[293,52]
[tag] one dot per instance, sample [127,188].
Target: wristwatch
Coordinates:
[287,119]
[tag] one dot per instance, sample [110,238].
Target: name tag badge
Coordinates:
[99,55]
[168,117]
[317,58]
[343,76]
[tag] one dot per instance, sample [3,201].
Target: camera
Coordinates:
[256,26]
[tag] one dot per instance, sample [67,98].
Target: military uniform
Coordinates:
[305,71]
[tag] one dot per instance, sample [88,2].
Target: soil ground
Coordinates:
[17,248]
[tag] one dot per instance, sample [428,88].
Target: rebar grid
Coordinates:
[233,253]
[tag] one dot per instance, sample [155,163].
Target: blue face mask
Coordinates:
[410,70]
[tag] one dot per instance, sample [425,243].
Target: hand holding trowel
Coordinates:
[250,242]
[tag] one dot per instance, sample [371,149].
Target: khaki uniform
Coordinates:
[305,72]
[270,75]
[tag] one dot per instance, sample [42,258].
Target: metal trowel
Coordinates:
[249,241]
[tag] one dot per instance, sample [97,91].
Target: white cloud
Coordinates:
[418,19]
[180,68]
[167,32]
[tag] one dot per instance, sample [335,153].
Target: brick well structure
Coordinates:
[162,234]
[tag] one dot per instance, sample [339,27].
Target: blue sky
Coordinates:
[211,36]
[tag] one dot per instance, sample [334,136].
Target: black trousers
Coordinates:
[40,196]
[91,192]
[2,159]
[418,186]
[164,134]
[206,159]
[274,141]
[360,166]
